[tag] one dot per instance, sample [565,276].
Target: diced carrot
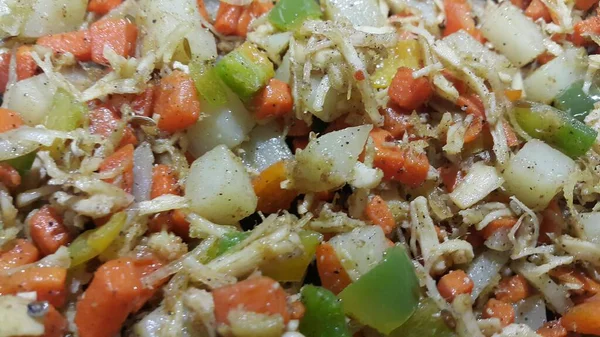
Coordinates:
[379,213]
[251,12]
[9,176]
[456,282]
[142,104]
[118,34]
[176,102]
[395,123]
[552,329]
[4,69]
[473,130]
[181,226]
[451,175]
[228,17]
[104,121]
[122,159]
[583,28]
[471,104]
[172,221]
[587,286]
[296,127]
[585,5]
[583,318]
[20,252]
[509,133]
[458,16]
[520,3]
[441,235]
[267,186]
[299,143]
[164,181]
[47,282]
[513,289]
[408,92]
[274,100]
[55,324]
[202,9]
[331,272]
[459,85]
[297,310]
[513,95]
[400,164]
[495,225]
[261,295]
[500,310]
[552,223]
[48,231]
[102,7]
[77,43]
[9,120]
[538,10]
[115,292]
[475,238]
[26,66]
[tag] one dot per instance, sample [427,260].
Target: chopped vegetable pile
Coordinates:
[300,168]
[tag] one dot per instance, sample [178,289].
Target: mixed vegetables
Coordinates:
[299,168]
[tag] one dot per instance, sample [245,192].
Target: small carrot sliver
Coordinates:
[26,66]
[501,310]
[20,253]
[492,227]
[471,104]
[513,95]
[552,223]
[456,282]
[4,69]
[520,3]
[586,284]
[164,181]
[552,329]
[378,211]
[296,127]
[77,43]
[48,282]
[102,7]
[395,123]
[586,27]
[513,289]
[299,143]
[202,9]
[544,58]
[55,324]
[104,121]
[48,231]
[408,92]
[331,272]
[9,176]
[261,295]
[122,159]
[583,318]
[227,18]
[115,292]
[176,102]
[458,16]
[473,130]
[538,10]
[9,120]
[510,134]
[118,34]
[142,104]
[267,186]
[584,5]
[451,176]
[274,100]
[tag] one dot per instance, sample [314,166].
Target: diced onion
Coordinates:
[484,268]
[35,18]
[591,225]
[142,172]
[480,181]
[265,147]
[31,98]
[359,250]
[531,312]
[555,294]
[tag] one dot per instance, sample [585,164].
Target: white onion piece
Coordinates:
[591,225]
[513,34]
[360,250]
[31,98]
[480,181]
[219,187]
[357,12]
[499,241]
[142,172]
[555,76]
[537,173]
[14,319]
[238,2]
[484,268]
[228,124]
[35,18]
[328,161]
[265,147]
[531,312]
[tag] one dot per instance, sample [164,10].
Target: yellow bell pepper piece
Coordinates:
[293,269]
[407,53]
[92,243]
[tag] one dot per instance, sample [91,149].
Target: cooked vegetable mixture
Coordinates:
[300,168]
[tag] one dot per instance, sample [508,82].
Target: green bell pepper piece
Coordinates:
[66,113]
[555,127]
[23,163]
[293,269]
[576,102]
[229,240]
[425,322]
[207,82]
[92,243]
[245,70]
[387,295]
[290,14]
[324,316]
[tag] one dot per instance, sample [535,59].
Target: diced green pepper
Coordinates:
[245,70]
[406,53]
[293,269]
[23,163]
[208,84]
[387,295]
[290,14]
[228,240]
[66,113]
[576,102]
[425,322]
[324,316]
[92,243]
[555,127]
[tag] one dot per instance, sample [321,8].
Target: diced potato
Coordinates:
[360,250]
[14,320]
[265,146]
